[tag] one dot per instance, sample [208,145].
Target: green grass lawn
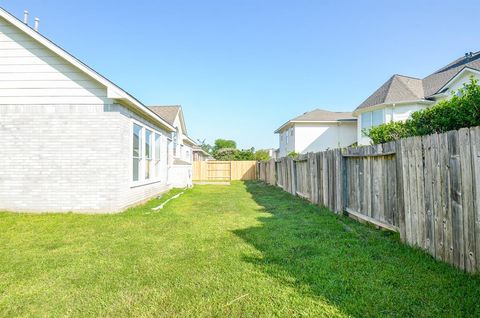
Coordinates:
[221,251]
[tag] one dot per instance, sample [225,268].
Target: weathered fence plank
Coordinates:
[475,152]
[467,199]
[456,199]
[427,188]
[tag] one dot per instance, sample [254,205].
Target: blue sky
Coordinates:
[241,68]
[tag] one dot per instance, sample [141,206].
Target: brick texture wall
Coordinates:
[60,158]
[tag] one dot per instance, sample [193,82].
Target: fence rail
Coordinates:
[427,188]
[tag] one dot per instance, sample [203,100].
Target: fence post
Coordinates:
[400,189]
[344,176]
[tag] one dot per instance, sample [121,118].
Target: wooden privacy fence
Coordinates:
[224,170]
[427,188]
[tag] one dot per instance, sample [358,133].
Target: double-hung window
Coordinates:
[169,151]
[137,151]
[158,144]
[148,154]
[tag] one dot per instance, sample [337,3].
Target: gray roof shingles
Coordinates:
[323,115]
[168,113]
[320,115]
[401,88]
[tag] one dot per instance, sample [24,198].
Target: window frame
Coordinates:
[154,176]
[370,115]
[157,156]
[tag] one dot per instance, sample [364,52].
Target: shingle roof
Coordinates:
[320,115]
[168,113]
[323,115]
[401,88]
[397,88]
[435,81]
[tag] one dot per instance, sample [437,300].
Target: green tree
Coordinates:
[245,154]
[205,147]
[226,154]
[223,144]
[262,154]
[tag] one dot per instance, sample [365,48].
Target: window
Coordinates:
[148,154]
[158,144]
[174,138]
[286,137]
[377,118]
[372,119]
[137,151]
[169,147]
[366,120]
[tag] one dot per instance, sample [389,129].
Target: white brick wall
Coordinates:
[58,158]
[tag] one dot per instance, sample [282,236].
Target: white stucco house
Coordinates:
[316,130]
[181,156]
[401,95]
[71,139]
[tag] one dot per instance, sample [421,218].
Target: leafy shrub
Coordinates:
[461,110]
[292,154]
[262,155]
[231,154]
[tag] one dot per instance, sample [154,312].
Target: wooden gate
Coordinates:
[224,170]
[219,170]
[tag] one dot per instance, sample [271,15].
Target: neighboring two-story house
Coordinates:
[180,145]
[401,95]
[316,130]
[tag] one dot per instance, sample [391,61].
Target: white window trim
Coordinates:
[370,113]
[155,178]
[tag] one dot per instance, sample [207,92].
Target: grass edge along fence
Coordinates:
[427,188]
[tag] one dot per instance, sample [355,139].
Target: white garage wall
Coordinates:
[313,137]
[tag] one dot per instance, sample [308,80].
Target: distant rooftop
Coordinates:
[167,112]
[320,115]
[400,88]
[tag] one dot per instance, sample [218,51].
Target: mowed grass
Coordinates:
[244,250]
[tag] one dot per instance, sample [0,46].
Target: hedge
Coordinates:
[461,110]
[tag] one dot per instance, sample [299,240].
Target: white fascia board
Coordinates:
[113,91]
[457,76]
[189,140]
[353,120]
[357,112]
[281,128]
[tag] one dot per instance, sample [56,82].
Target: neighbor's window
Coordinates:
[377,118]
[148,154]
[157,154]
[372,119]
[137,151]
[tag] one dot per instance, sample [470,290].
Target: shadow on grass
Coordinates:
[363,271]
